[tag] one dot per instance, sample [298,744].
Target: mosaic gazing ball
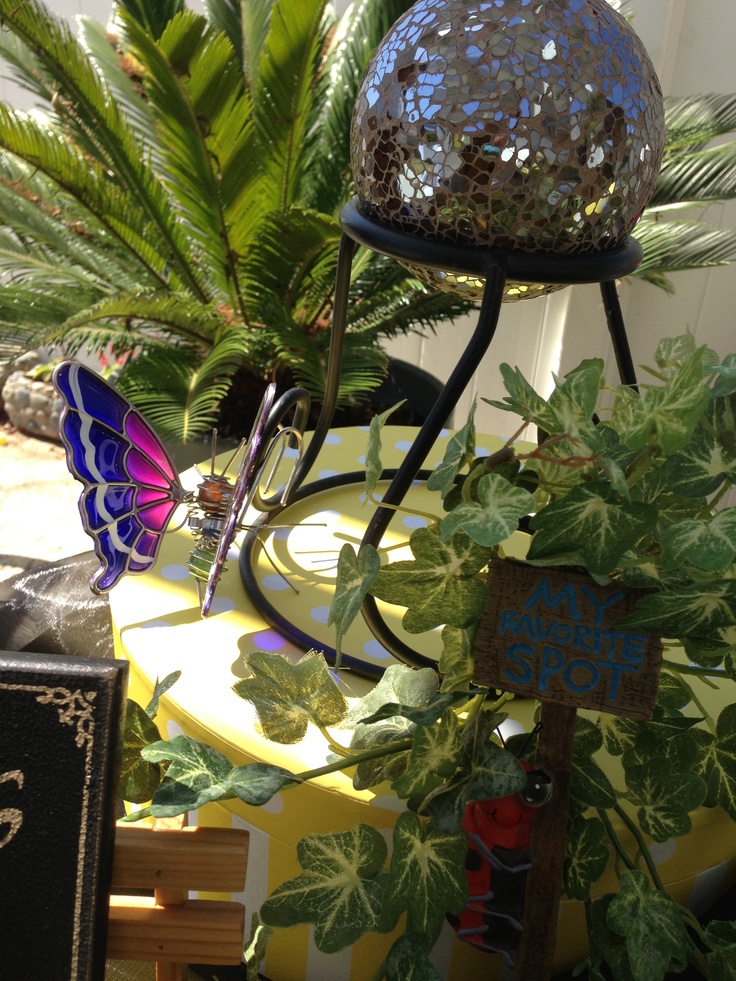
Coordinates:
[533,125]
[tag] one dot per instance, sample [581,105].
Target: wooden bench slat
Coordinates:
[202,859]
[201,931]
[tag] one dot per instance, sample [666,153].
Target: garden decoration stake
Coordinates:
[551,635]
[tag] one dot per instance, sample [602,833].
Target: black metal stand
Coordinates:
[496,268]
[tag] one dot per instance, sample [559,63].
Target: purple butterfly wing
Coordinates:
[131,487]
[243,482]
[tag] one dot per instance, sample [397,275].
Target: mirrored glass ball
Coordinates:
[513,124]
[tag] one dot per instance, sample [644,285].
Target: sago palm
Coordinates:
[694,174]
[179,197]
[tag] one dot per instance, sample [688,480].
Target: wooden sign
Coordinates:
[550,634]
[60,742]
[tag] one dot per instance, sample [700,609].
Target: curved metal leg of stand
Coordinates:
[417,454]
[617,330]
[334,363]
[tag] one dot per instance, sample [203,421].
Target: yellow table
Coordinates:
[158,629]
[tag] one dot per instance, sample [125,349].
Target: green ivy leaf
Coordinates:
[341,889]
[421,715]
[721,961]
[726,371]
[459,453]
[287,696]
[427,875]
[605,944]
[708,545]
[400,685]
[440,586]
[389,767]
[587,856]
[486,772]
[255,949]
[672,352]
[256,783]
[524,401]
[574,399]
[159,689]
[696,610]
[493,517]
[139,778]
[457,660]
[434,757]
[355,576]
[590,786]
[589,524]
[709,458]
[408,960]
[373,465]
[649,921]
[664,798]
[624,405]
[717,764]
[669,414]
[197,774]
[618,733]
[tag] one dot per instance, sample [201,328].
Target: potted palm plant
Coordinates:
[636,499]
[178,199]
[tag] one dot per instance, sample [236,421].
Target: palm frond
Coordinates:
[284,96]
[361,29]
[152,17]
[698,177]
[692,120]
[119,72]
[295,261]
[86,101]
[179,392]
[672,246]
[190,321]
[89,184]
[255,20]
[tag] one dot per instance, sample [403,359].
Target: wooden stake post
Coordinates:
[551,635]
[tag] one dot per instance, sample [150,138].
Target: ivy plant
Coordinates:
[630,486]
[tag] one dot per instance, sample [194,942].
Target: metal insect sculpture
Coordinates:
[132,489]
[497,864]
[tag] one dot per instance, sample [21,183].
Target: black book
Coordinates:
[60,745]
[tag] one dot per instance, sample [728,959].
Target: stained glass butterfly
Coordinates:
[132,489]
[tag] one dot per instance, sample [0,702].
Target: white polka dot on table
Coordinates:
[273,806]
[661,851]
[319,613]
[332,439]
[324,474]
[444,433]
[154,624]
[268,640]
[388,802]
[374,497]
[274,583]
[482,451]
[361,459]
[510,728]
[291,453]
[404,445]
[376,650]
[174,573]
[414,521]
[324,517]
[222,604]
